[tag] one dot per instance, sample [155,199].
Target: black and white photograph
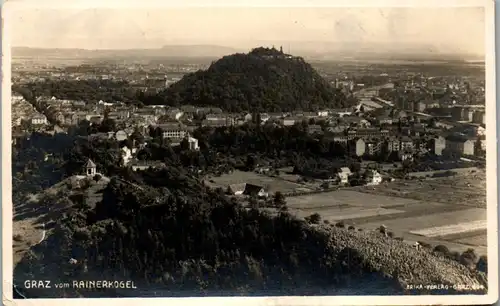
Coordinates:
[329,150]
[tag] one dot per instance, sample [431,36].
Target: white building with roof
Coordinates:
[344,174]
[90,168]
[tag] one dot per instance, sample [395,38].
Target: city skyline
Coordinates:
[332,29]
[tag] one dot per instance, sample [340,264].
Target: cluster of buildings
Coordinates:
[23,112]
[365,131]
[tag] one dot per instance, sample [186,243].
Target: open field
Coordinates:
[270,183]
[477,240]
[349,197]
[452,229]
[411,210]
[465,189]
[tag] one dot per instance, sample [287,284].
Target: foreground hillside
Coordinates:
[262,80]
[167,231]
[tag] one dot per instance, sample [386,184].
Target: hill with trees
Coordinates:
[261,80]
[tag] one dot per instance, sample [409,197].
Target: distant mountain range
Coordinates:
[310,51]
[197,51]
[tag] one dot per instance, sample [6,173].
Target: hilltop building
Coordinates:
[90,168]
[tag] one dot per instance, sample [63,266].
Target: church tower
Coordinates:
[281,49]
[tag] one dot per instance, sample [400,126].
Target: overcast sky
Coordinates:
[460,30]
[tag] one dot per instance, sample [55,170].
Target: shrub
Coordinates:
[482,264]
[97,177]
[351,227]
[326,222]
[399,238]
[340,224]
[424,244]
[390,234]
[313,219]
[455,255]
[442,249]
[469,258]
[382,229]
[17,238]
[360,229]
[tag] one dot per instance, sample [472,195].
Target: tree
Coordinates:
[313,219]
[107,125]
[253,201]
[469,258]
[442,249]
[279,199]
[251,163]
[482,264]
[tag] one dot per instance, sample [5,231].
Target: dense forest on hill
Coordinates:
[262,80]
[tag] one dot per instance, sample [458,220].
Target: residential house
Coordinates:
[373,177]
[392,145]
[479,117]
[341,112]
[323,113]
[218,120]
[18,135]
[368,132]
[306,115]
[460,113]
[247,190]
[95,119]
[314,129]
[16,121]
[276,115]
[420,106]
[193,144]
[188,109]
[337,129]
[78,104]
[384,119]
[38,119]
[121,135]
[289,121]
[357,146]
[417,130]
[209,110]
[401,115]
[438,144]
[445,125]
[460,145]
[407,143]
[119,115]
[127,155]
[405,155]
[355,121]
[139,165]
[175,113]
[343,175]
[173,130]
[248,117]
[373,147]
[264,117]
